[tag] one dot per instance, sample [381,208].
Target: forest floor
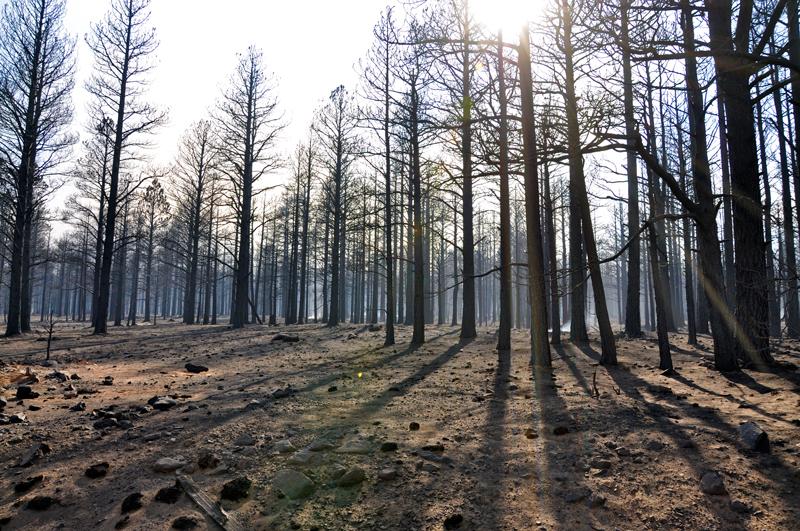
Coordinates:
[496,448]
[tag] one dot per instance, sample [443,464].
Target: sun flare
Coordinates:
[506,15]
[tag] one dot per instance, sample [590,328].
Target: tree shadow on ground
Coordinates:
[559,471]
[630,385]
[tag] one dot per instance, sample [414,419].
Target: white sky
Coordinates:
[311,46]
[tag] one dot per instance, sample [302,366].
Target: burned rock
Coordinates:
[162,403]
[283,392]
[26,392]
[352,477]
[389,446]
[27,484]
[195,369]
[96,471]
[712,483]
[753,437]
[169,494]
[453,521]
[288,338]
[207,459]
[185,522]
[36,452]
[41,503]
[560,430]
[132,502]
[236,489]
[108,422]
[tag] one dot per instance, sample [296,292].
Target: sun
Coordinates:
[506,15]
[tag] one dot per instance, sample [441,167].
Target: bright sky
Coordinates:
[311,45]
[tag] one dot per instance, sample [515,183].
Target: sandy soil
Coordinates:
[496,447]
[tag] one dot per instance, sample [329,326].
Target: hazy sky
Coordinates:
[311,46]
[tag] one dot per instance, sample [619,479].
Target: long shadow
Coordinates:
[493,448]
[403,387]
[568,361]
[198,423]
[549,411]
[362,414]
[743,403]
[630,384]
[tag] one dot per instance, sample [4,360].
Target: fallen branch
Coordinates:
[225,520]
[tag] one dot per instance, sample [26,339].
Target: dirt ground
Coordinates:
[496,447]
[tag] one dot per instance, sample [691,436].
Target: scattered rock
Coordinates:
[150,437]
[27,484]
[108,380]
[436,447]
[282,392]
[168,464]
[195,369]
[252,405]
[185,522]
[453,521]
[162,403]
[413,426]
[105,423]
[236,489]
[753,437]
[599,463]
[320,445]
[34,453]
[332,389]
[387,474]
[80,406]
[3,402]
[596,500]
[34,407]
[427,467]
[98,470]
[352,477]
[286,338]
[284,446]
[712,483]
[207,459]
[293,484]
[337,471]
[57,375]
[16,418]
[740,507]
[132,502]
[560,430]
[169,494]
[389,447]
[26,392]
[41,503]
[304,457]
[245,439]
[530,433]
[355,445]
